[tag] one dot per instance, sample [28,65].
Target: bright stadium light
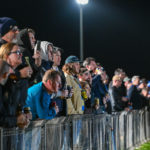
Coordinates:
[82,2]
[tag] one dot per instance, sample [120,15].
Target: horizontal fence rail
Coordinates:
[119,131]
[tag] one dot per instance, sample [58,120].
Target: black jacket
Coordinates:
[12,99]
[116,97]
[134,97]
[25,46]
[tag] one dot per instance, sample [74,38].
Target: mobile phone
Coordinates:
[38,47]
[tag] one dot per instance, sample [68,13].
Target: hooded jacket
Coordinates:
[24,44]
[46,63]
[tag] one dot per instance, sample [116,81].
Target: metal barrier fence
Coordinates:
[119,131]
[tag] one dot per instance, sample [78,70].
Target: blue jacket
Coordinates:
[40,102]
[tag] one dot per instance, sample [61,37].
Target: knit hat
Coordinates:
[72,59]
[6,24]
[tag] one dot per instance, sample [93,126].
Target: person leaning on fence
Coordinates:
[5,70]
[118,101]
[134,94]
[14,91]
[39,96]
[97,89]
[75,104]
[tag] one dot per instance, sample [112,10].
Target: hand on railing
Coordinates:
[22,121]
[55,107]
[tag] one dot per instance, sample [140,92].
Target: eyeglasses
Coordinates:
[18,52]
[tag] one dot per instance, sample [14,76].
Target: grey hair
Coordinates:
[135,77]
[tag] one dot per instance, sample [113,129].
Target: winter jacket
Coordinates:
[75,105]
[40,102]
[98,89]
[13,98]
[134,97]
[27,52]
[116,99]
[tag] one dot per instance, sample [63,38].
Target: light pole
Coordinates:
[81,2]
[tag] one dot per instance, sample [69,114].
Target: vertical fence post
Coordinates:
[1,138]
[45,136]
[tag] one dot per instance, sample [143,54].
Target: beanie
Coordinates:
[6,24]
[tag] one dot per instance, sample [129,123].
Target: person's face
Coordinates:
[32,39]
[92,66]
[76,66]
[126,83]
[141,86]
[49,51]
[137,81]
[85,76]
[12,34]
[145,93]
[118,83]
[122,75]
[15,57]
[56,84]
[57,58]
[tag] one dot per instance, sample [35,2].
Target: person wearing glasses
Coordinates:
[8,30]
[14,91]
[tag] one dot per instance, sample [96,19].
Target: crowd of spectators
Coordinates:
[33,86]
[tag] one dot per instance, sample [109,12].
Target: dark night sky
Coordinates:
[116,32]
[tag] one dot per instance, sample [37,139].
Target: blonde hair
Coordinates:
[5,50]
[69,69]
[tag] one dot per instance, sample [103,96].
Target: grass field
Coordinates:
[145,146]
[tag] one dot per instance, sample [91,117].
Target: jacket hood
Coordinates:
[23,39]
[44,48]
